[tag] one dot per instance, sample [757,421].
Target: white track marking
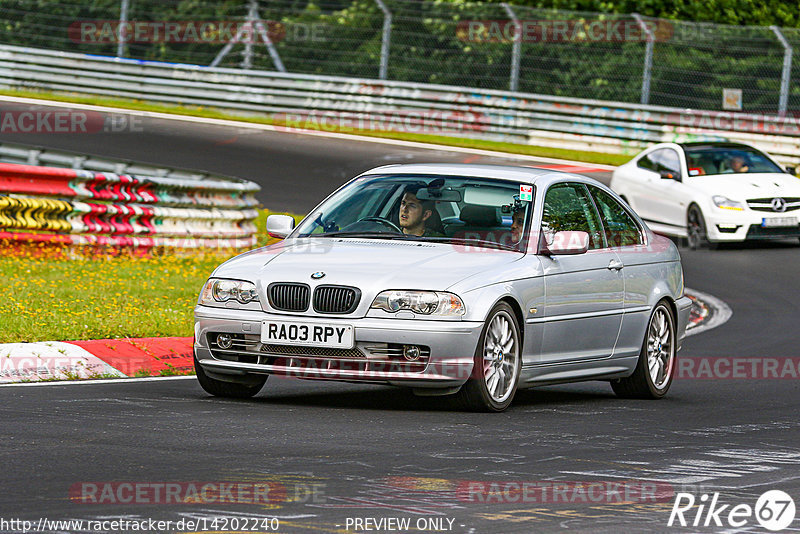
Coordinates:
[721,312]
[93,382]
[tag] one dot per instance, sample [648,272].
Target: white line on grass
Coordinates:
[271,128]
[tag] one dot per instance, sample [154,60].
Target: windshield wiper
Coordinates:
[375,235]
[471,241]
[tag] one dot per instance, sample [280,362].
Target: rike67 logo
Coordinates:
[774,510]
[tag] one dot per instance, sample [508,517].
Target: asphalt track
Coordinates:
[337,451]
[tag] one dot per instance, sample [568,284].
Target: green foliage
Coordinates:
[738,12]
[692,62]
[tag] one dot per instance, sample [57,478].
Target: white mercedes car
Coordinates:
[711,192]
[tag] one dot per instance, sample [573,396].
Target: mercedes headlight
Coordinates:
[437,303]
[726,203]
[217,290]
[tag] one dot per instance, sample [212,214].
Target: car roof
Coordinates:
[715,144]
[531,175]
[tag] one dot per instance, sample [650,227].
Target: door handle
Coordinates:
[615,265]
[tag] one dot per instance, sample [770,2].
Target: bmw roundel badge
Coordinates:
[317,275]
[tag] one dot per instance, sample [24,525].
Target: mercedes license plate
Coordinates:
[773,222]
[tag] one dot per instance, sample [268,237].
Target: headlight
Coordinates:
[726,203]
[422,302]
[224,290]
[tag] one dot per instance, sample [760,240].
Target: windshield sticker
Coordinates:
[526,192]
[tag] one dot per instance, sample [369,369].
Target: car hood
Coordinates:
[745,186]
[369,264]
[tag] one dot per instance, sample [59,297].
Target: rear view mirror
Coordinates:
[565,243]
[792,170]
[279,225]
[443,195]
[670,175]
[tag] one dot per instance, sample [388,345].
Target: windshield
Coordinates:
[707,160]
[479,211]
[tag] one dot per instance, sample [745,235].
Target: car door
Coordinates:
[663,200]
[584,292]
[639,190]
[627,238]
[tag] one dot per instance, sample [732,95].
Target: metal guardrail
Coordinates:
[27,155]
[348,104]
[79,201]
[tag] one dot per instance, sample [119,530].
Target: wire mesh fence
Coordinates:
[622,58]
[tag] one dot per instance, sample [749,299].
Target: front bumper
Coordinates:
[684,306]
[727,225]
[448,363]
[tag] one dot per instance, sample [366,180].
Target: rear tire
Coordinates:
[655,368]
[497,364]
[220,388]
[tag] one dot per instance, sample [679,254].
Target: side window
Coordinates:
[621,228]
[665,159]
[568,208]
[668,160]
[646,162]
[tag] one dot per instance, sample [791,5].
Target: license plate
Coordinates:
[338,336]
[773,222]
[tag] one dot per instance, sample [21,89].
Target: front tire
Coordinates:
[497,365]
[655,368]
[233,390]
[696,230]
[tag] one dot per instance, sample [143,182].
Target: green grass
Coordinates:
[198,111]
[67,296]
[58,297]
[62,298]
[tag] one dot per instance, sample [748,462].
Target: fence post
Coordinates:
[516,49]
[122,34]
[273,53]
[648,58]
[787,70]
[385,39]
[252,16]
[251,26]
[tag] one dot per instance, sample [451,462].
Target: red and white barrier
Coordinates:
[103,358]
[85,207]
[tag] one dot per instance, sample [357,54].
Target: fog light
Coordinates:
[411,352]
[728,228]
[224,341]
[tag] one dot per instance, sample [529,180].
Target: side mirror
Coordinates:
[792,170]
[279,225]
[670,175]
[565,244]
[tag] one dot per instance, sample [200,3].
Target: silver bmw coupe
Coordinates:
[463,280]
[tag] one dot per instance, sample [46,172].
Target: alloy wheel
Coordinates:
[500,355]
[660,348]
